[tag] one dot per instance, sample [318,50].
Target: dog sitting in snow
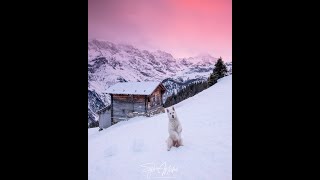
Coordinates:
[174,129]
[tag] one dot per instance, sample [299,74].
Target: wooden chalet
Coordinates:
[130,99]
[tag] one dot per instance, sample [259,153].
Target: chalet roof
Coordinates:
[135,88]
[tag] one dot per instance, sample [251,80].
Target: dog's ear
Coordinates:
[173,108]
[167,110]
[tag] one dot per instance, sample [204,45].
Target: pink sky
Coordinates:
[183,28]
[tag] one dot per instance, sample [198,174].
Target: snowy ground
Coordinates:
[136,149]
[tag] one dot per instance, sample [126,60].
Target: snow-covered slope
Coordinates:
[124,150]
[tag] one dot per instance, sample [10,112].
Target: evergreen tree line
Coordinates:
[219,71]
[185,93]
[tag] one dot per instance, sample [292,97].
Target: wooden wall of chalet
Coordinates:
[155,99]
[124,104]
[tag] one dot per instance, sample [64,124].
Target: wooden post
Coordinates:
[111,108]
[132,102]
[145,102]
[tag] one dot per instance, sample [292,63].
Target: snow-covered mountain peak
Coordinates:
[201,59]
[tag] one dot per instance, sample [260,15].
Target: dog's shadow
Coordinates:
[176,144]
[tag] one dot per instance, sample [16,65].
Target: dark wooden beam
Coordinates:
[145,102]
[111,108]
[132,100]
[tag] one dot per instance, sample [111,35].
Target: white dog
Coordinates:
[174,129]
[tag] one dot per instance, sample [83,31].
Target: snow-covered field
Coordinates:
[136,149]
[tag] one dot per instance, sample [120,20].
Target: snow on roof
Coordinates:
[136,88]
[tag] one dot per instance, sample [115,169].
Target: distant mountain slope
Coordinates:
[109,63]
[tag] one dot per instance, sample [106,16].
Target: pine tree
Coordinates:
[213,78]
[220,69]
